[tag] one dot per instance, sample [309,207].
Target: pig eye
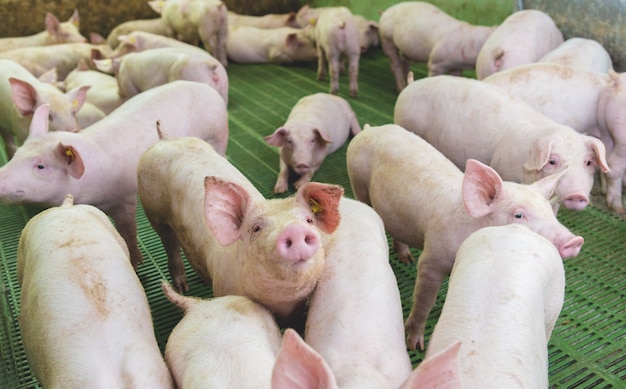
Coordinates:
[552,161]
[309,220]
[41,166]
[588,162]
[256,228]
[519,215]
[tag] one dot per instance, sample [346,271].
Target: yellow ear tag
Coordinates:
[70,154]
[315,206]
[312,21]
[132,40]
[75,103]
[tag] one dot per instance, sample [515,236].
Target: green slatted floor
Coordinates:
[588,345]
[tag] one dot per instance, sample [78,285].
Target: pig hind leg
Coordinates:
[321,63]
[399,65]
[353,71]
[175,263]
[403,251]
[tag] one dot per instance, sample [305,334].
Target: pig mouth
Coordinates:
[15,197]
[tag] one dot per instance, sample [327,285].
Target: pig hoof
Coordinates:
[181,285]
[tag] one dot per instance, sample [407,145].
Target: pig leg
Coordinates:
[321,64]
[174,259]
[355,127]
[282,182]
[430,275]
[403,251]
[333,68]
[353,72]
[9,144]
[615,178]
[124,218]
[399,65]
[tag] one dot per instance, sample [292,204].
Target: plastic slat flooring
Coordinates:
[588,346]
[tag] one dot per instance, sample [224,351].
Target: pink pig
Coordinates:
[137,41]
[523,37]
[496,128]
[103,92]
[22,94]
[84,316]
[99,164]
[580,53]
[317,125]
[590,102]
[268,250]
[420,32]
[267,21]
[441,207]
[166,64]
[504,296]
[283,45]
[55,33]
[193,20]
[154,26]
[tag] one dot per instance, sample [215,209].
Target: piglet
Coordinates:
[317,125]
[267,21]
[103,92]
[355,319]
[417,31]
[21,94]
[498,129]
[283,45]
[224,342]
[84,316]
[99,164]
[55,33]
[166,64]
[235,239]
[154,26]
[137,41]
[523,37]
[193,20]
[436,209]
[368,32]
[580,53]
[504,296]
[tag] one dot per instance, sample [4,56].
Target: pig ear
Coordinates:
[75,166]
[278,137]
[157,6]
[291,39]
[540,155]
[75,19]
[39,122]
[24,96]
[481,187]
[96,39]
[442,370]
[52,24]
[299,366]
[599,150]
[77,97]
[547,185]
[323,200]
[225,206]
[49,77]
[321,135]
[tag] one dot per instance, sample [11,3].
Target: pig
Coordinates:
[154,26]
[580,53]
[103,92]
[64,57]
[141,41]
[99,164]
[267,21]
[499,129]
[55,33]
[504,296]
[523,37]
[368,32]
[22,93]
[268,250]
[284,45]
[362,349]
[415,31]
[193,19]
[434,210]
[590,102]
[224,342]
[166,64]
[337,37]
[317,125]
[84,316]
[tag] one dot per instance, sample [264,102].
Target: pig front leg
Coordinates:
[306,177]
[282,182]
[321,64]
[126,223]
[399,66]
[403,251]
[333,68]
[430,274]
[353,71]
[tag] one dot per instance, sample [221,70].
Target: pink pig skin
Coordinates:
[165,65]
[420,32]
[99,164]
[224,342]
[523,37]
[84,316]
[591,103]
[154,26]
[441,206]
[317,125]
[355,316]
[582,54]
[194,20]
[283,45]
[465,118]
[504,296]
[268,250]
[55,33]
[267,21]
[22,93]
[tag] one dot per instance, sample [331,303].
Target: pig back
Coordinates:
[504,328]
[85,318]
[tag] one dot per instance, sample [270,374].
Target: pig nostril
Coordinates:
[288,243]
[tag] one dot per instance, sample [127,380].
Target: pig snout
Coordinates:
[297,243]
[576,201]
[301,168]
[571,247]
